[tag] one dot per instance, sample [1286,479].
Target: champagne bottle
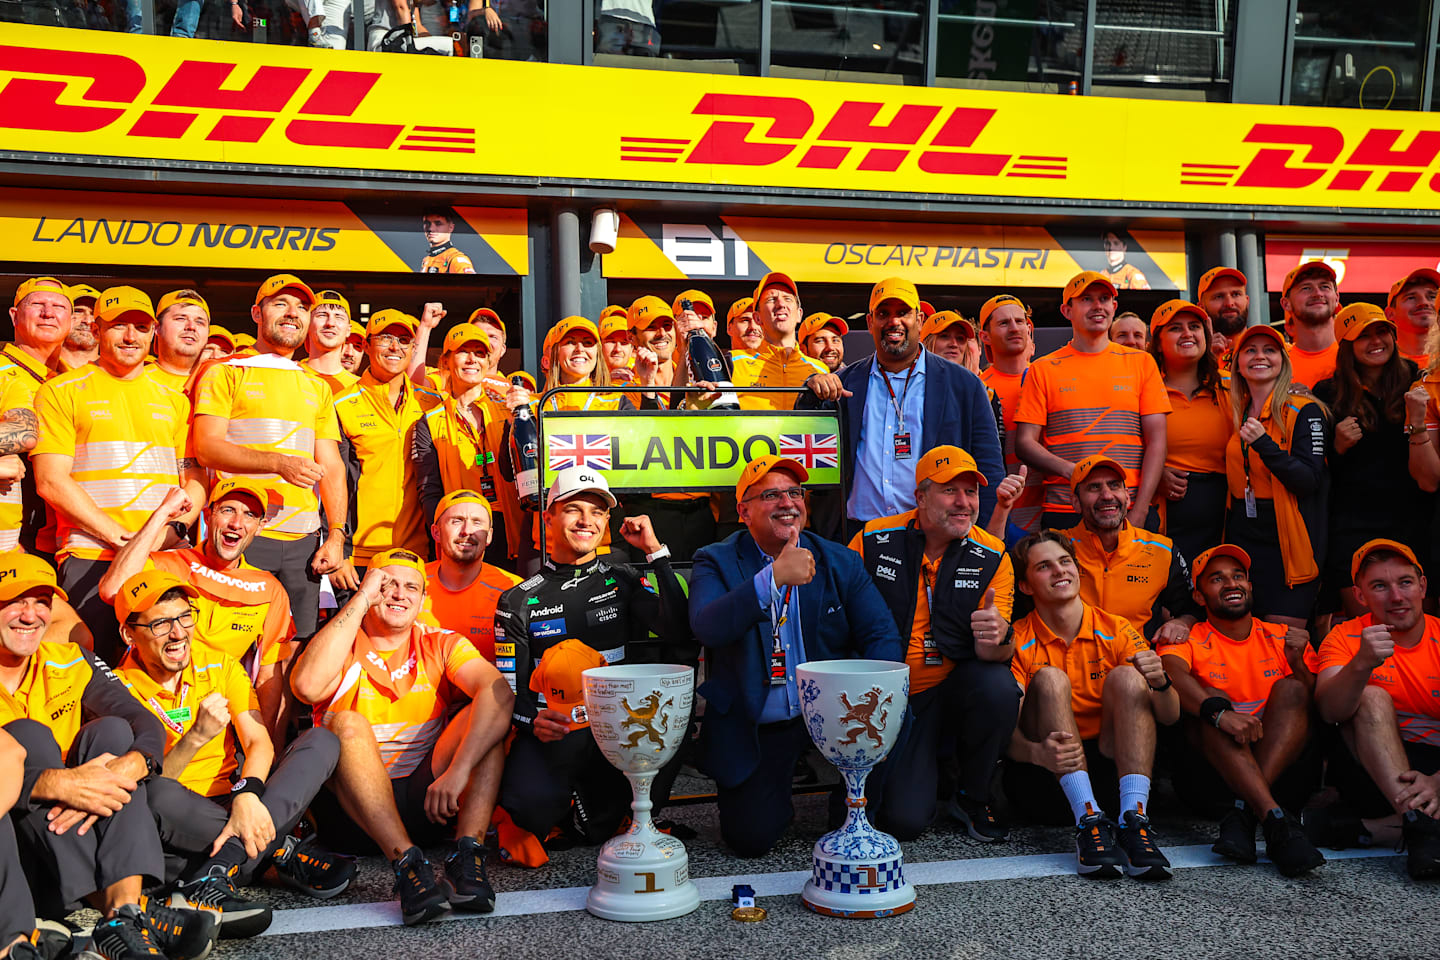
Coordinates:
[706,362]
[525,454]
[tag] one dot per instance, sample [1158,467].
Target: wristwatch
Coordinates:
[181,530]
[664,551]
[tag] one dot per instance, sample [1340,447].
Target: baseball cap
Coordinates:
[357,330]
[249,485]
[742,306]
[1083,281]
[1089,465]
[646,311]
[775,278]
[995,303]
[895,288]
[1371,546]
[695,297]
[485,313]
[1223,550]
[460,496]
[181,296]
[1305,267]
[244,340]
[118,302]
[1260,329]
[614,310]
[1354,319]
[142,590]
[332,298]
[285,281]
[36,284]
[1423,273]
[1207,280]
[20,571]
[382,319]
[399,557]
[818,321]
[927,309]
[573,481]
[463,333]
[612,325]
[527,381]
[220,333]
[756,469]
[943,464]
[568,326]
[945,318]
[1170,309]
[558,677]
[83,291]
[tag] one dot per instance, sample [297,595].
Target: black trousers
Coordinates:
[756,812]
[1035,795]
[682,525]
[188,823]
[80,579]
[289,561]
[343,835]
[17,909]
[64,869]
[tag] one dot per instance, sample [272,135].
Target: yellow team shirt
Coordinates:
[175,381]
[470,459]
[126,437]
[238,610]
[337,382]
[277,406]
[51,690]
[771,366]
[20,376]
[211,770]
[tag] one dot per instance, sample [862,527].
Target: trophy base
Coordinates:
[642,877]
[858,890]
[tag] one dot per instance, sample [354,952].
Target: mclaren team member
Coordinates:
[822,337]
[422,719]
[1008,336]
[1310,299]
[352,354]
[579,595]
[79,347]
[778,361]
[652,327]
[950,587]
[325,343]
[438,225]
[182,328]
[1222,294]
[41,317]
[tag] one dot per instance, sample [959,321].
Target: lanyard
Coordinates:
[927,577]
[899,405]
[164,716]
[23,366]
[778,618]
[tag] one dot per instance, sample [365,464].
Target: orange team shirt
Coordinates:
[1026,511]
[1104,643]
[1310,368]
[406,694]
[1196,432]
[448,260]
[771,366]
[127,438]
[238,609]
[1089,403]
[276,406]
[210,771]
[470,459]
[52,690]
[1243,670]
[471,612]
[1411,676]
[20,376]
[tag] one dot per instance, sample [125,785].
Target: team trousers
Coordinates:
[289,561]
[17,909]
[80,579]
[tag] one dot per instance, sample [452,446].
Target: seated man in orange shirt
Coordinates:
[1094,692]
[1377,680]
[422,719]
[224,806]
[1245,685]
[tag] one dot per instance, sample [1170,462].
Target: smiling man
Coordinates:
[1411,307]
[1310,297]
[325,343]
[1222,294]
[182,328]
[778,361]
[822,337]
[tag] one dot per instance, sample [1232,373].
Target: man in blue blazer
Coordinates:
[763,601]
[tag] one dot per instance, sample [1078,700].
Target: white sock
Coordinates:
[1134,792]
[1079,792]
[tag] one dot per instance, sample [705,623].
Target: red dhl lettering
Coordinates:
[1295,156]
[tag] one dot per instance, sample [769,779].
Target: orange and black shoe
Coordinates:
[1096,852]
[421,898]
[1144,861]
[128,935]
[215,892]
[317,873]
[181,933]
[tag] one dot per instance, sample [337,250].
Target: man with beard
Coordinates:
[616,347]
[324,344]
[902,402]
[1310,298]
[1124,570]
[1244,687]
[352,354]
[652,327]
[1221,294]
[743,328]
[1092,396]
[1411,307]
[778,361]
[264,414]
[1008,335]
[822,337]
[79,347]
[182,327]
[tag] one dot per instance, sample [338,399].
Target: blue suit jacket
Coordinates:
[842,616]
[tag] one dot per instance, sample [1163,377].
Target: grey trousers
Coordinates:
[17,908]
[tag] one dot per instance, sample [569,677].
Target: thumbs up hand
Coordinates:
[988,626]
[795,566]
[1010,489]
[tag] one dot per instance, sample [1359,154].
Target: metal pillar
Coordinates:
[566,259]
[1087,63]
[1251,262]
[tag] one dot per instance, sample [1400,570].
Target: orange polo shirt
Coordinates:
[238,609]
[1411,676]
[1196,432]
[1243,670]
[471,612]
[1308,367]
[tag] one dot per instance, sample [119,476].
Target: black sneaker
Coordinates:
[317,873]
[421,898]
[181,933]
[239,918]
[466,884]
[1237,836]
[1096,854]
[126,936]
[1287,846]
[977,819]
[1146,862]
[1334,826]
[1422,839]
[49,942]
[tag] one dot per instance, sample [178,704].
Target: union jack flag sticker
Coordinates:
[591,450]
[814,451]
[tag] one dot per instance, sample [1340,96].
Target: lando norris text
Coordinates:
[167,233]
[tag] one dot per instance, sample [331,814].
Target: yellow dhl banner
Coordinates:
[100,94]
[65,226]
[857,251]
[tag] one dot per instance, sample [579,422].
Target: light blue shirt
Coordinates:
[781,703]
[883,485]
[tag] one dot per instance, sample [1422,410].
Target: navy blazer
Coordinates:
[842,616]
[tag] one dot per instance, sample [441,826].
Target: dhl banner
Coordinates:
[1362,265]
[844,251]
[62,226]
[102,94]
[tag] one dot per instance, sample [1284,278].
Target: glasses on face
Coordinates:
[774,496]
[391,340]
[163,628]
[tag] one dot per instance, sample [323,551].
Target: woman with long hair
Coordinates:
[1278,479]
[1193,487]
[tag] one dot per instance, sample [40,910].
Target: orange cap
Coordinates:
[1258,330]
[1352,320]
[83,291]
[943,464]
[1381,544]
[756,469]
[1083,281]
[20,571]
[118,302]
[485,313]
[180,296]
[646,311]
[696,297]
[285,281]
[945,318]
[1207,280]
[400,557]
[1168,310]
[527,381]
[1422,273]
[814,323]
[460,496]
[142,590]
[247,485]
[557,677]
[1089,465]
[1223,550]
[894,288]
[381,320]
[243,340]
[740,307]
[613,324]
[775,278]
[332,298]
[570,325]
[1307,266]
[927,309]
[357,331]
[463,333]
[35,284]
[995,303]
[220,333]
[614,310]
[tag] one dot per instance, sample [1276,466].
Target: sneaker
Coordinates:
[126,936]
[48,942]
[1146,862]
[181,933]
[301,864]
[239,918]
[1422,839]
[1287,846]
[466,884]
[1095,852]
[1334,826]
[977,819]
[421,898]
[1237,836]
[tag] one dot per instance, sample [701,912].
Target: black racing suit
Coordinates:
[608,607]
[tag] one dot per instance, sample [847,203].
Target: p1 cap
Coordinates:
[1089,465]
[485,313]
[1171,309]
[181,296]
[818,321]
[614,310]
[400,557]
[1353,320]
[142,590]
[573,481]
[1371,546]
[116,303]
[1317,265]
[1223,550]
[220,333]
[332,298]
[995,303]
[568,326]
[756,470]
[943,464]
[20,571]
[739,308]
[83,291]
[1258,330]
[614,326]
[646,311]
[1083,281]
[558,677]
[380,320]
[1209,278]
[463,333]
[1422,275]
[285,281]
[894,288]
[246,485]
[945,318]
[775,279]
[696,298]
[37,284]
[460,496]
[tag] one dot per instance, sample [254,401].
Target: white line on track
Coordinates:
[523,903]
